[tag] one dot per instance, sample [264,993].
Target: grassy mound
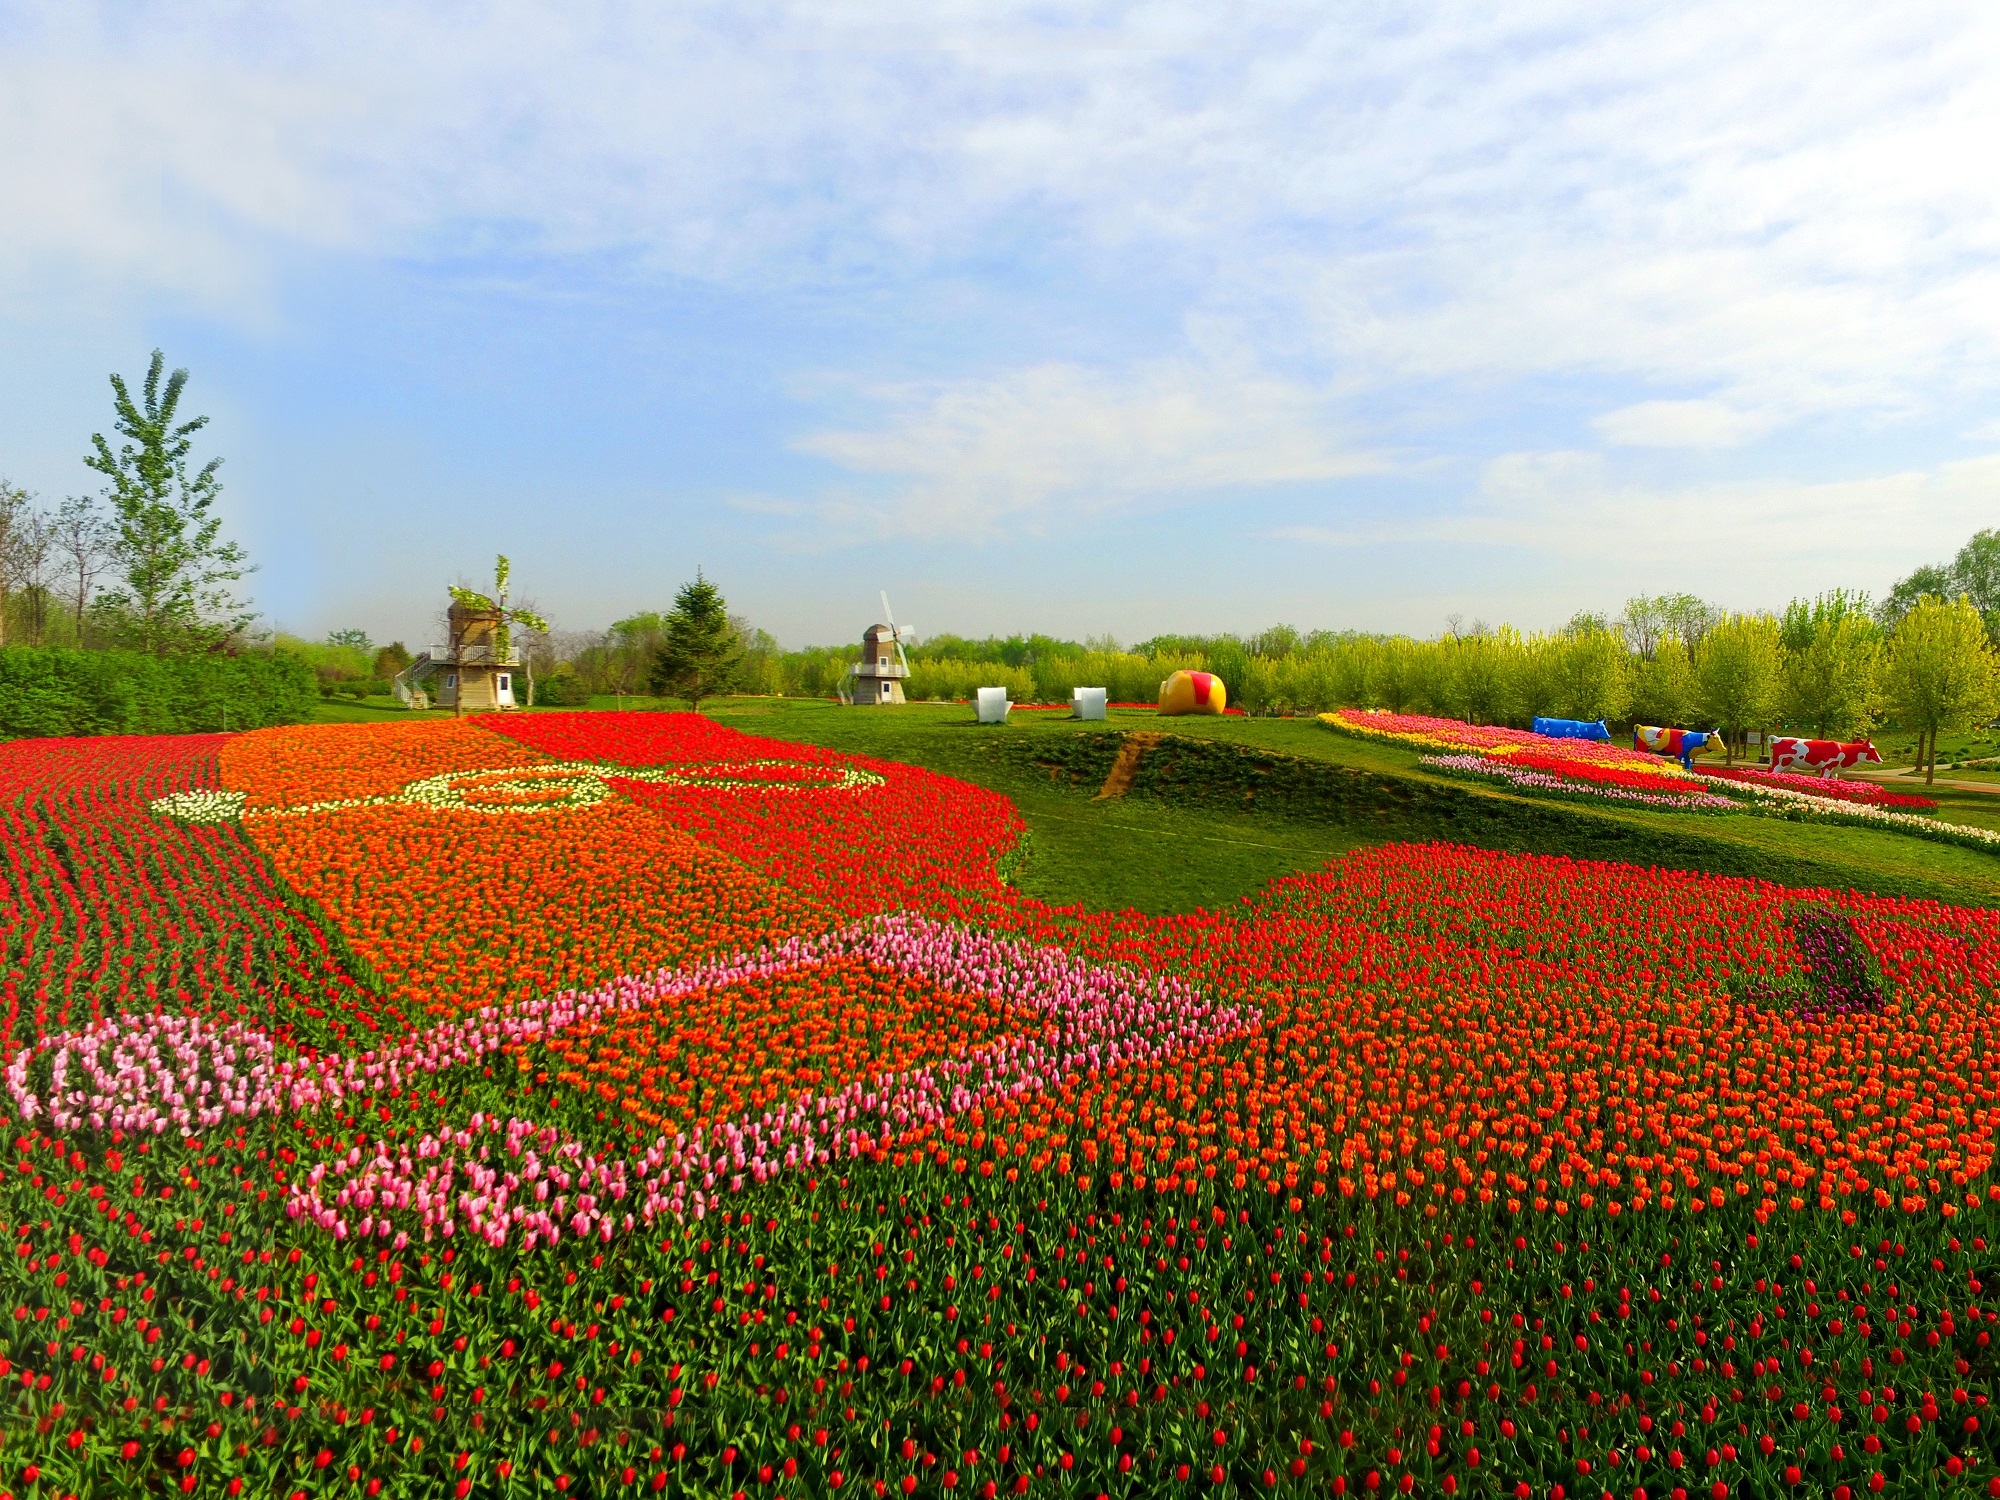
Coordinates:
[1218,807]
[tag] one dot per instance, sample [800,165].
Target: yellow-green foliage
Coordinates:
[328,663]
[962,679]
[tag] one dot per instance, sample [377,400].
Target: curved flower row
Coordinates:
[1099,1019]
[555,786]
[146,1075]
[1806,807]
[1505,769]
[1867,792]
[1487,739]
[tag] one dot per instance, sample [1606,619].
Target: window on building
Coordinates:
[506,683]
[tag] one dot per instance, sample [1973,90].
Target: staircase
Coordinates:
[1119,781]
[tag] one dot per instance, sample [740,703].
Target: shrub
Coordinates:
[46,692]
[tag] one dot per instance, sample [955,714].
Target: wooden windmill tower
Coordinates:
[475,673]
[878,677]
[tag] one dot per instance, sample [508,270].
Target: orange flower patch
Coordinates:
[299,764]
[454,911]
[714,1054]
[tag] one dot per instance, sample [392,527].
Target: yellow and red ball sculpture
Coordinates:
[1193,693]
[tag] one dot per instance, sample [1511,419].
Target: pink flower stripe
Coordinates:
[166,1071]
[1100,1017]
[155,1073]
[1543,781]
[1487,739]
[1867,792]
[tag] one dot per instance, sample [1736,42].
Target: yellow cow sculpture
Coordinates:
[1193,693]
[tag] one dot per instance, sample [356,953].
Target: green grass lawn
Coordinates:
[1167,855]
[382,709]
[1186,844]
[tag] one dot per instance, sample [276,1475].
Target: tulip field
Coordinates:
[620,1104]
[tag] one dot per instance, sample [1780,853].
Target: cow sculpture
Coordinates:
[1828,757]
[1573,729]
[1684,744]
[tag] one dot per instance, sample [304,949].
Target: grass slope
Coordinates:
[1223,805]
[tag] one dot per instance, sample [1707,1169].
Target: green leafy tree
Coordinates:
[1663,687]
[1832,660]
[391,659]
[1941,673]
[624,662]
[357,639]
[1479,677]
[701,653]
[1931,578]
[1738,674]
[178,572]
[1590,671]
[1975,572]
[17,519]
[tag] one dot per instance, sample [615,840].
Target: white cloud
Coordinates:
[1779,211]
[1679,424]
[1735,216]
[1754,542]
[1041,446]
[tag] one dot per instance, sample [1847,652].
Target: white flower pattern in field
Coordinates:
[558,786]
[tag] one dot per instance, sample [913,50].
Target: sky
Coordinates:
[1117,319]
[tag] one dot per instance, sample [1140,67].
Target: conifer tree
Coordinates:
[701,654]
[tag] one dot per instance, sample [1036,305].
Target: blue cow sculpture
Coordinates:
[1573,729]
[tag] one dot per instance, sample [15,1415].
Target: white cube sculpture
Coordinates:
[1086,703]
[993,705]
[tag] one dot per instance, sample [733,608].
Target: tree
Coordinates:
[358,639]
[178,570]
[1663,689]
[1941,672]
[391,659]
[1832,656]
[1478,677]
[85,544]
[631,647]
[701,654]
[763,667]
[1590,673]
[1975,572]
[1737,673]
[1650,619]
[16,521]
[1931,578]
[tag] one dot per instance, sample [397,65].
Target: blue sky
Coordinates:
[1119,319]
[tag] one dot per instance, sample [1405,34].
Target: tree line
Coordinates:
[144,566]
[1834,666]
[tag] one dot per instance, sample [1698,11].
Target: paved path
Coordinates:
[1903,780]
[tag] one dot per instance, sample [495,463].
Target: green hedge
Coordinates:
[46,692]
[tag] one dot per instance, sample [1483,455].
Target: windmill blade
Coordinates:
[896,633]
[888,615]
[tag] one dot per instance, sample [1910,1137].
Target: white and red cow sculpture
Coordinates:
[1828,757]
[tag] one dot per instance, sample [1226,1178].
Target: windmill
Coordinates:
[478,665]
[878,677]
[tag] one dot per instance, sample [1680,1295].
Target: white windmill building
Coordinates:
[878,676]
